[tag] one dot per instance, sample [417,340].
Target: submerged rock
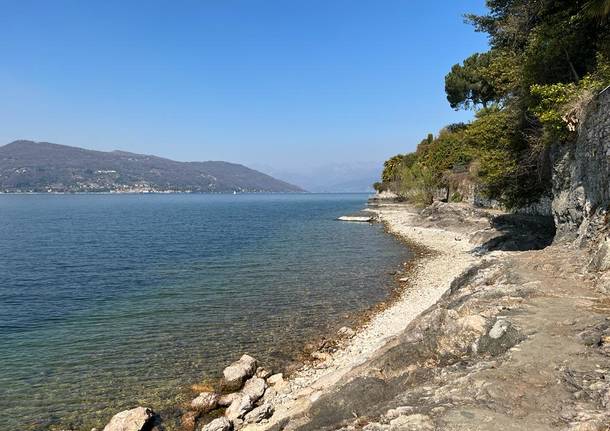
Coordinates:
[236,373]
[205,402]
[219,424]
[188,421]
[131,420]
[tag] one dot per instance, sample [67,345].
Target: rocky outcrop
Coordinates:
[581,176]
[244,406]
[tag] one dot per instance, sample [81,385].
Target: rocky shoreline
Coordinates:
[493,328]
[440,256]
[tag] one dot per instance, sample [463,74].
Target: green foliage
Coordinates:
[547,60]
[467,85]
[380,186]
[448,150]
[551,100]
[456,197]
[390,168]
[560,106]
[416,184]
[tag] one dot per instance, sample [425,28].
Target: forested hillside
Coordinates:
[27,166]
[547,60]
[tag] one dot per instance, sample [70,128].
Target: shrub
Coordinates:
[456,197]
[416,184]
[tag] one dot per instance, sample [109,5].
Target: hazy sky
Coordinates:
[275,83]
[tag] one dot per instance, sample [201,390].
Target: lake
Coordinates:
[112,301]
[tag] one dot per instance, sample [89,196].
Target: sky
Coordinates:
[279,85]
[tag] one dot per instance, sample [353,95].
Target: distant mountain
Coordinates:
[27,166]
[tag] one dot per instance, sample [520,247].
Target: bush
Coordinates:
[416,184]
[456,197]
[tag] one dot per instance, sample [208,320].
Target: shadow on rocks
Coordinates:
[516,232]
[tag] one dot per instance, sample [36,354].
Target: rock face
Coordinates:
[236,373]
[581,174]
[600,261]
[131,420]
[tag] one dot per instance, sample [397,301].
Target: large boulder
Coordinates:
[255,387]
[205,402]
[131,420]
[237,373]
[239,407]
[219,424]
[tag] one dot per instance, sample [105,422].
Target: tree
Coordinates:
[467,85]
[390,168]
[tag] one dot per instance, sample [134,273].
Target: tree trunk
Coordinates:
[572,69]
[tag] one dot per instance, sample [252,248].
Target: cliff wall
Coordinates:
[581,175]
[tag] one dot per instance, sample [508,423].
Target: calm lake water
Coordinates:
[111,301]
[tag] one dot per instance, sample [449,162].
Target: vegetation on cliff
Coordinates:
[547,60]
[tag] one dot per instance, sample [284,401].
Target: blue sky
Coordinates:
[284,84]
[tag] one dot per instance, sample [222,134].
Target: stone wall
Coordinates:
[581,169]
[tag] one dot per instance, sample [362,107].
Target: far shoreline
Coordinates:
[105,193]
